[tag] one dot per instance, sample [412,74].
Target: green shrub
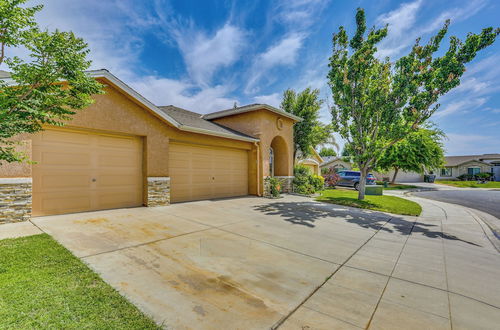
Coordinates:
[274,186]
[465,177]
[306,183]
[317,181]
[483,175]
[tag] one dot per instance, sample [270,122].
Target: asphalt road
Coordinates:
[487,201]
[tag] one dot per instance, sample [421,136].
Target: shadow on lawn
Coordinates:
[307,213]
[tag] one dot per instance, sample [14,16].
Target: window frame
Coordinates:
[271,162]
[473,168]
[450,174]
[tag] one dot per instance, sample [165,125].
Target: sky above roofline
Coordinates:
[206,55]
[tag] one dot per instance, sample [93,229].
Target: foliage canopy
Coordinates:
[378,102]
[47,87]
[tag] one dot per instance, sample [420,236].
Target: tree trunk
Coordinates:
[396,169]
[362,183]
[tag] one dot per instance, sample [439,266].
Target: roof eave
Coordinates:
[230,112]
[220,134]
[153,108]
[113,79]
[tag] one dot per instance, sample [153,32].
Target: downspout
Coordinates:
[258,167]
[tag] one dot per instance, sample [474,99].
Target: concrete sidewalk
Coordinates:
[442,274]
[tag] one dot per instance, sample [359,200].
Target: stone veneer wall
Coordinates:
[15,199]
[158,191]
[286,185]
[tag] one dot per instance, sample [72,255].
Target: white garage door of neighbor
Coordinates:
[77,171]
[202,172]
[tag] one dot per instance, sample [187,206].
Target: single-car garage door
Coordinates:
[79,171]
[201,172]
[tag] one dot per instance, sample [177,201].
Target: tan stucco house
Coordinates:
[124,151]
[469,164]
[312,162]
[337,163]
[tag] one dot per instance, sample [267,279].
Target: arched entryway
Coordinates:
[278,158]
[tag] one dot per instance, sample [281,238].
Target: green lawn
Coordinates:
[469,184]
[42,285]
[391,204]
[397,186]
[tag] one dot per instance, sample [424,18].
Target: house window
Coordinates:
[446,171]
[271,162]
[473,170]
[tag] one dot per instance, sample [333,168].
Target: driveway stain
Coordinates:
[199,310]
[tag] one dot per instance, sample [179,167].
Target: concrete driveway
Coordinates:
[254,263]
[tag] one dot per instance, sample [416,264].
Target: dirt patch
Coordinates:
[92,221]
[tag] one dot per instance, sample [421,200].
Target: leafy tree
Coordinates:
[310,132]
[47,88]
[420,150]
[327,152]
[377,102]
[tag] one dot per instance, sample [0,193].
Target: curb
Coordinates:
[489,223]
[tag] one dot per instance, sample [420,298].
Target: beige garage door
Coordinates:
[82,171]
[198,172]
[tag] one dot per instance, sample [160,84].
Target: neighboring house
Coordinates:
[124,151]
[336,162]
[471,164]
[312,162]
[401,177]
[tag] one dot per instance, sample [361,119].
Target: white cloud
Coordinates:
[204,55]
[116,47]
[113,31]
[284,52]
[163,91]
[462,106]
[271,99]
[298,14]
[400,21]
[405,25]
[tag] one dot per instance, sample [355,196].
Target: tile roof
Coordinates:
[194,119]
[457,160]
[248,108]
[4,74]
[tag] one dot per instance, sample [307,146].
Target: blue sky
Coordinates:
[206,55]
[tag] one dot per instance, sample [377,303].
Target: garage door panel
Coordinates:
[115,142]
[64,159]
[67,181]
[69,137]
[115,199]
[55,203]
[83,171]
[116,180]
[120,160]
[201,172]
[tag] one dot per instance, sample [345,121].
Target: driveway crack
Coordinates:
[286,317]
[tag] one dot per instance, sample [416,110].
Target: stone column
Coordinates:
[158,191]
[286,183]
[15,199]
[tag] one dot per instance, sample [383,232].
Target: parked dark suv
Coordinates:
[351,179]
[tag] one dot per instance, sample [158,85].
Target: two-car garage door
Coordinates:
[202,172]
[79,171]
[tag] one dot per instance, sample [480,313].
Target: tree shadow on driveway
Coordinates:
[307,213]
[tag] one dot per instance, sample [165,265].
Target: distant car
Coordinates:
[351,179]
